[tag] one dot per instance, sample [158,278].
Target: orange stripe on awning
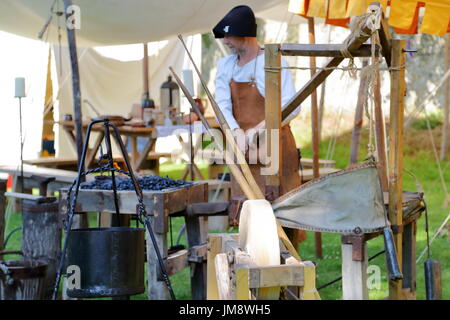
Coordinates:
[414,24]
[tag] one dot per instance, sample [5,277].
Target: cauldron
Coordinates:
[110,262]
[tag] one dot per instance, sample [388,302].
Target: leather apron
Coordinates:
[249,110]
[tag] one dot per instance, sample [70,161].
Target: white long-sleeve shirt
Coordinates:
[228,69]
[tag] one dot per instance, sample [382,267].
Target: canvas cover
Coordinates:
[339,202]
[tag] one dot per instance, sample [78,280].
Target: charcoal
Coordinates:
[147,182]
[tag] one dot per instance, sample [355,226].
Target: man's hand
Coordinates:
[252,135]
[241,139]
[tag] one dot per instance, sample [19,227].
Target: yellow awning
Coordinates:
[403,16]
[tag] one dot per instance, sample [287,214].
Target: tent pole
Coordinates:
[81,220]
[75,81]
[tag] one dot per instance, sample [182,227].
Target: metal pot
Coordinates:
[110,262]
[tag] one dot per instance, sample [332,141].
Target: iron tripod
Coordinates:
[141,212]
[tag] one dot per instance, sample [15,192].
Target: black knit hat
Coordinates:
[239,22]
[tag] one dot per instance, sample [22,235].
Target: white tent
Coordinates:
[111,84]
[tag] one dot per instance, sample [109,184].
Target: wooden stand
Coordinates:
[393,51]
[160,205]
[231,274]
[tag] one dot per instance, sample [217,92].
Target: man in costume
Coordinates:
[240,91]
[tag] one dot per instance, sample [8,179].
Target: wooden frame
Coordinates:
[393,51]
[225,258]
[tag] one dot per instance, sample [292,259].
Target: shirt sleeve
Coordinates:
[223,93]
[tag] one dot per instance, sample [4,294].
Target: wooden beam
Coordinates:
[276,276]
[223,276]
[214,248]
[385,40]
[322,50]
[398,90]
[354,274]
[354,42]
[273,111]
[177,262]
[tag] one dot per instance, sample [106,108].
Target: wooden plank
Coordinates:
[157,289]
[354,274]
[409,270]
[385,40]
[398,90]
[197,234]
[242,283]
[322,50]
[177,262]
[26,196]
[273,113]
[175,200]
[354,43]
[309,291]
[223,276]
[276,276]
[214,248]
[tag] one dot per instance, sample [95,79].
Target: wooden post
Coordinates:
[157,289]
[445,127]
[315,128]
[354,274]
[197,232]
[214,248]
[2,213]
[41,237]
[356,134]
[273,112]
[398,90]
[409,261]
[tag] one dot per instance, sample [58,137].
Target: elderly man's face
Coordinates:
[235,44]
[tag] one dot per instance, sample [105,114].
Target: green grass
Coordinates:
[418,158]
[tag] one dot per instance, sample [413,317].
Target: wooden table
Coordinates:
[137,158]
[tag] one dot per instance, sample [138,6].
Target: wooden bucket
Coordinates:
[22,279]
